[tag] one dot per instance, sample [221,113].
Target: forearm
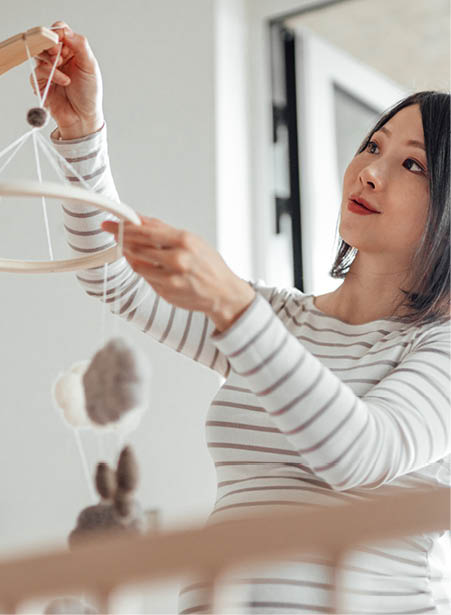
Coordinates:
[127,293]
[230,307]
[347,440]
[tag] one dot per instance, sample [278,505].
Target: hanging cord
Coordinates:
[50,151]
[52,154]
[117,307]
[44,204]
[18,145]
[36,153]
[30,61]
[49,81]
[103,451]
[37,138]
[84,463]
[103,323]
[33,72]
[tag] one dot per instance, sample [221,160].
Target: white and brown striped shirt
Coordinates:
[313,412]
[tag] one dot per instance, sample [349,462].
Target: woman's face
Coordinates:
[391,175]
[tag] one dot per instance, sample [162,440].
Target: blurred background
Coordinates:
[234,119]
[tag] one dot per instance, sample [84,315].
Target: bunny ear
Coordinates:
[123,503]
[105,481]
[127,470]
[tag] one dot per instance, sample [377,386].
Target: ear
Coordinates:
[105,481]
[127,471]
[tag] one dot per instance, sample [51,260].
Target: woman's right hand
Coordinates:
[74,98]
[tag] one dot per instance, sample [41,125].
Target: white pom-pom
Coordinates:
[69,396]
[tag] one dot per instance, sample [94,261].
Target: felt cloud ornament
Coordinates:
[110,392]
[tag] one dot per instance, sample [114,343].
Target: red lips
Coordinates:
[364,202]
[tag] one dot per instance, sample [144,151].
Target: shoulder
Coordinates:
[278,296]
[435,338]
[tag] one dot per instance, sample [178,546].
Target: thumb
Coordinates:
[79,45]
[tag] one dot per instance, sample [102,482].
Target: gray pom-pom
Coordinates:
[37,117]
[115,382]
[105,481]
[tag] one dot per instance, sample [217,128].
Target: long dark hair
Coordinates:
[428,297]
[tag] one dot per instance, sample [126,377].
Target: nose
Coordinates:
[371,175]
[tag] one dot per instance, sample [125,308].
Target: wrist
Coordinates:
[227,311]
[81,129]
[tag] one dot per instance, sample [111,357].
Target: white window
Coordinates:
[338,100]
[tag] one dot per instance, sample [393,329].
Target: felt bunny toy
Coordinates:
[117,509]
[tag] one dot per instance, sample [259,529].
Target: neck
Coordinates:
[370,292]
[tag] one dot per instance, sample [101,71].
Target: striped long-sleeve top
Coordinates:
[313,412]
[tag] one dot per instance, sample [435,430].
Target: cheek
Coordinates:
[351,173]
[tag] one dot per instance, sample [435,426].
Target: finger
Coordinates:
[153,275]
[169,259]
[146,234]
[154,232]
[43,73]
[45,58]
[81,49]
[65,56]
[60,28]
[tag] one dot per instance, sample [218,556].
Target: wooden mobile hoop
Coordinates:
[15,51]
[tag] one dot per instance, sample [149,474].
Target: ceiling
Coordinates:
[407,40]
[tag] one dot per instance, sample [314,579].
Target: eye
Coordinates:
[369,145]
[414,162]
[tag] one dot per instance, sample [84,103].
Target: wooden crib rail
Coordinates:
[101,565]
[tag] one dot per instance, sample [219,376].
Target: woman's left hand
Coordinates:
[184,269]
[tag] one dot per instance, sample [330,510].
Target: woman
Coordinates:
[327,399]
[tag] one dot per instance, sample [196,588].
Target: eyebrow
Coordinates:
[411,142]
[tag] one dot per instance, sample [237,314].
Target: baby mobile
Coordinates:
[109,392]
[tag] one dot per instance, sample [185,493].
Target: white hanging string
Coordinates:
[52,152]
[33,72]
[100,446]
[117,307]
[36,153]
[104,305]
[84,463]
[44,205]
[48,151]
[53,157]
[18,143]
[49,81]
[35,81]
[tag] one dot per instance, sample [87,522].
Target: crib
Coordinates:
[99,566]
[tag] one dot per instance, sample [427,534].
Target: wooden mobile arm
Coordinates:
[13,51]
[103,564]
[66,193]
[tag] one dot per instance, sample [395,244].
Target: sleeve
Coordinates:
[401,425]
[126,293]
